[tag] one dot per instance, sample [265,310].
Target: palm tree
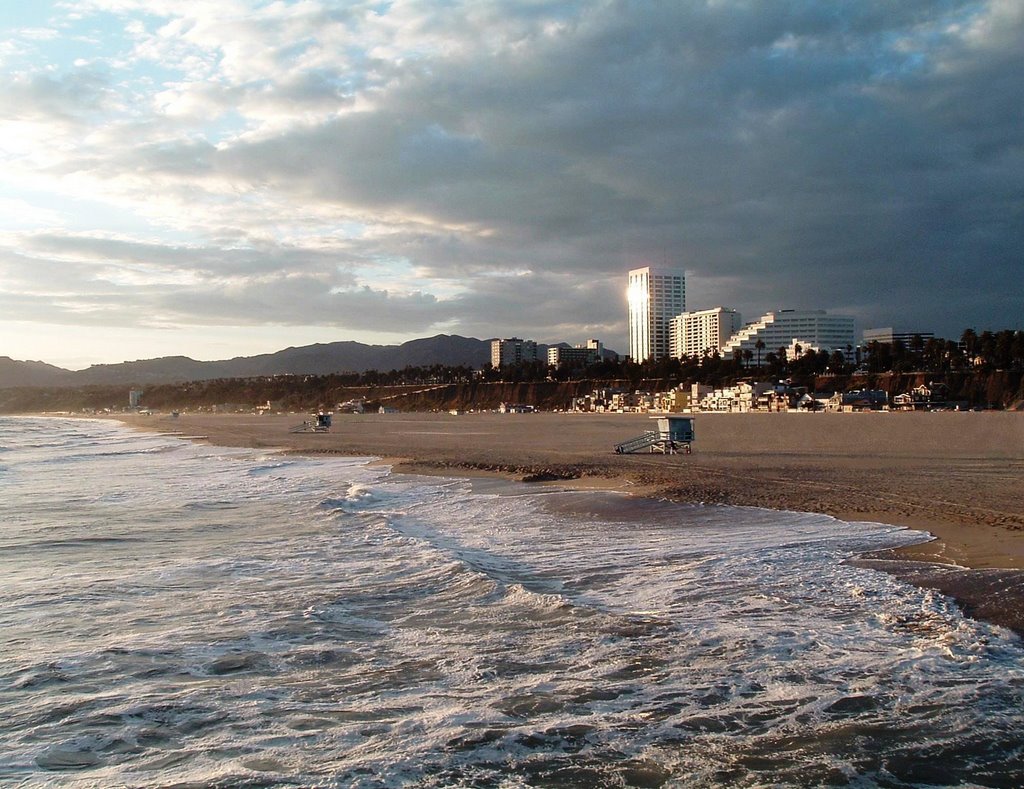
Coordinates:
[969,341]
[987,347]
[760,347]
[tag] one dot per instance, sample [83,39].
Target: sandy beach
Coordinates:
[957,475]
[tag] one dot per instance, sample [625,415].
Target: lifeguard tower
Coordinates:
[320,423]
[674,435]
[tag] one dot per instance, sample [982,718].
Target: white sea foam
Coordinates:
[174,613]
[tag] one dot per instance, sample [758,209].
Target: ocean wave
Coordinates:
[65,543]
[319,622]
[269,467]
[539,602]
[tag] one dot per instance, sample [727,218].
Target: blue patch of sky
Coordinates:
[226,126]
[99,38]
[18,14]
[82,215]
[384,273]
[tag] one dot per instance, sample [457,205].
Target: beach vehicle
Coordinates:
[674,434]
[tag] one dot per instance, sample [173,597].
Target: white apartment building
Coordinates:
[512,350]
[654,297]
[778,329]
[695,334]
[578,354]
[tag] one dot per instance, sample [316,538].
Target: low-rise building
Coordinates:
[515,408]
[632,401]
[576,356]
[676,401]
[889,335]
[859,400]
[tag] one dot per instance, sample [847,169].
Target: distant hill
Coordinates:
[14,373]
[167,369]
[319,359]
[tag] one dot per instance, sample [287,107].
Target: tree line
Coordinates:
[982,353]
[979,352]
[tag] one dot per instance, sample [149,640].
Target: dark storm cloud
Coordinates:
[843,154]
[517,158]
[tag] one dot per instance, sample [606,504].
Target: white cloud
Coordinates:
[289,158]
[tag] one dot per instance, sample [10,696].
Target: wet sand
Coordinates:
[959,476]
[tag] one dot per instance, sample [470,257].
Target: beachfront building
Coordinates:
[516,408]
[654,297]
[598,400]
[678,400]
[577,356]
[781,328]
[703,332]
[859,400]
[747,396]
[512,351]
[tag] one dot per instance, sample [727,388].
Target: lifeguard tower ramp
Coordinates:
[674,434]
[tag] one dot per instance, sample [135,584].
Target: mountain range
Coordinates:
[318,359]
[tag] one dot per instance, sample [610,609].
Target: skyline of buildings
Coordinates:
[659,327]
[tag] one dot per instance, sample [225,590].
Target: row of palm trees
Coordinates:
[987,351]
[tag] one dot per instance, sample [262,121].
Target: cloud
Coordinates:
[72,97]
[114,282]
[495,167]
[301,300]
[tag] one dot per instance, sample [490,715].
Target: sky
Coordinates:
[216,179]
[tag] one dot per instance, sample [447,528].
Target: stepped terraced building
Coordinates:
[779,329]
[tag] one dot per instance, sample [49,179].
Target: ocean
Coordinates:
[181,615]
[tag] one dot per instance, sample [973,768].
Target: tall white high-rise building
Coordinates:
[695,334]
[655,297]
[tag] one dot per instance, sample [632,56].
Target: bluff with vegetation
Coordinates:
[996,389]
[980,370]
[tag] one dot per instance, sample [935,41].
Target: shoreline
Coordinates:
[897,469]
